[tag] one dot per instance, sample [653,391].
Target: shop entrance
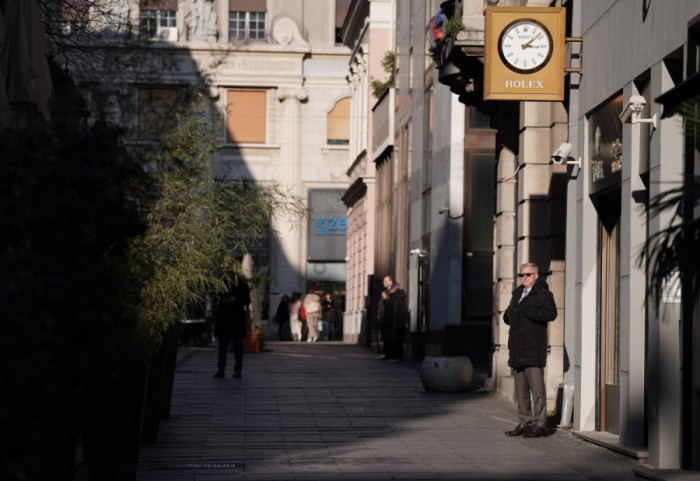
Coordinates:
[609,331]
[609,317]
[605,147]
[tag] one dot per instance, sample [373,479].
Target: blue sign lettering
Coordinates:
[331,225]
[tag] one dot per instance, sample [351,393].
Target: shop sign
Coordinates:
[524,53]
[327,227]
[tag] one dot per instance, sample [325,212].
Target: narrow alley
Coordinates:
[330,411]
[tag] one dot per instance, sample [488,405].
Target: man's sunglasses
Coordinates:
[527,274]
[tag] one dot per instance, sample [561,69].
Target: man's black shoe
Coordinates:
[535,432]
[237,375]
[219,375]
[518,431]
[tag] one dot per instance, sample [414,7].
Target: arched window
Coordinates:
[339,123]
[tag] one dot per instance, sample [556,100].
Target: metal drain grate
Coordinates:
[184,466]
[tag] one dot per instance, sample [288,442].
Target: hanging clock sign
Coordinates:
[524,53]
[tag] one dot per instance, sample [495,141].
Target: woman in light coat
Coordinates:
[294,322]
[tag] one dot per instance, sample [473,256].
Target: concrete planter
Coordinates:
[446,374]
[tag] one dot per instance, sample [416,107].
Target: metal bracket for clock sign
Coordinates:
[575,40]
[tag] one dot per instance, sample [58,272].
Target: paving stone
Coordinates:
[331,411]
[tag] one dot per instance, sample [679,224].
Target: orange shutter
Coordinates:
[339,122]
[246,116]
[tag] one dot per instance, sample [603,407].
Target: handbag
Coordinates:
[320,326]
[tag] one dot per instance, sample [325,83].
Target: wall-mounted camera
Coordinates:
[561,155]
[633,109]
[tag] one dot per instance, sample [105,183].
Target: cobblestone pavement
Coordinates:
[332,411]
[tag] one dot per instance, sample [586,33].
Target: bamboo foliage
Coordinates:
[199,225]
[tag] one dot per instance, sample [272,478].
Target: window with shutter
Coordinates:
[339,123]
[246,116]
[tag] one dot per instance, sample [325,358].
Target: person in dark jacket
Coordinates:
[394,319]
[230,325]
[282,319]
[531,309]
[329,316]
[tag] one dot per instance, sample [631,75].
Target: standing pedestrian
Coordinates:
[230,325]
[531,309]
[312,306]
[282,319]
[394,319]
[294,313]
[329,316]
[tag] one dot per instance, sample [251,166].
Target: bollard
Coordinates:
[446,374]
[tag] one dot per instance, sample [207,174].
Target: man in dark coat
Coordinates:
[230,325]
[329,316]
[282,319]
[394,319]
[531,309]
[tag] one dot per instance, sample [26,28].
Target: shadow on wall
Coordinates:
[547,227]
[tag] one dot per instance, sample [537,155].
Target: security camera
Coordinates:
[561,155]
[634,107]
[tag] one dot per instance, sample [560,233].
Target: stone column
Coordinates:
[362,61]
[540,239]
[355,81]
[505,251]
[507,171]
[288,251]
[663,358]
[632,287]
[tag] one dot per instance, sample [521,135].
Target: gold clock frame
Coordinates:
[502,83]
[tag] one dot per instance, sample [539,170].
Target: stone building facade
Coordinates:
[275,75]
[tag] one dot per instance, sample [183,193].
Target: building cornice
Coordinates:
[356,163]
[357,190]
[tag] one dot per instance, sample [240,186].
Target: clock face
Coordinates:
[525,46]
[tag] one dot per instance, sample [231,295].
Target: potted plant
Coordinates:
[254,338]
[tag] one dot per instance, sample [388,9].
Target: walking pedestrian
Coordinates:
[394,319]
[531,308]
[312,306]
[294,313]
[230,325]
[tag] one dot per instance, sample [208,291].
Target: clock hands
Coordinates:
[528,44]
[517,38]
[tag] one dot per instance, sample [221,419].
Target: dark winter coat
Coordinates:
[395,316]
[329,312]
[282,314]
[231,310]
[527,338]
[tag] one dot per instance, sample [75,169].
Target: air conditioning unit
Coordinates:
[167,34]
